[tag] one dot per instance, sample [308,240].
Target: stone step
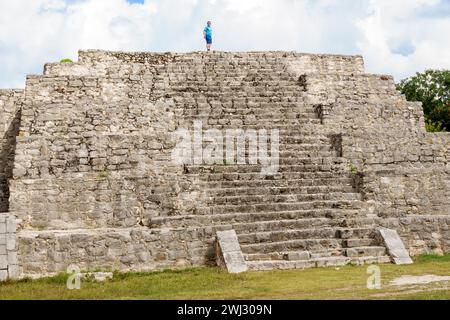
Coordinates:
[302,154]
[315,263]
[290,149]
[249,116]
[308,128]
[254,180]
[313,244]
[243,179]
[286,231]
[288,198]
[239,101]
[319,204]
[294,255]
[340,222]
[251,119]
[293,111]
[245,105]
[373,250]
[262,93]
[253,229]
[365,232]
[285,164]
[239,180]
[218,70]
[286,158]
[286,234]
[241,191]
[248,168]
[230,84]
[260,123]
[346,217]
[357,242]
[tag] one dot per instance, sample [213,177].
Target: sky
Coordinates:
[398,37]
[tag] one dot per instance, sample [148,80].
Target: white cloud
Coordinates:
[393,24]
[33,32]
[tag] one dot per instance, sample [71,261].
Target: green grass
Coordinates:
[432,258]
[347,282]
[66,61]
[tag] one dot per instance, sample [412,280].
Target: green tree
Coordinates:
[432,88]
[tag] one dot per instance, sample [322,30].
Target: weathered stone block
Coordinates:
[395,246]
[14,272]
[3,275]
[12,257]
[229,252]
[297,255]
[11,225]
[3,261]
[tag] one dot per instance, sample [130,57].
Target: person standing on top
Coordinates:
[207,34]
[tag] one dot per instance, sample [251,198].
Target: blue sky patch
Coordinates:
[404,48]
[136,1]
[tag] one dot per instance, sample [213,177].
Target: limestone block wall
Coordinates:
[104,180]
[10,103]
[83,105]
[416,182]
[115,249]
[405,170]
[99,201]
[9,264]
[422,234]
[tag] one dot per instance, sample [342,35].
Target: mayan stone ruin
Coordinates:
[87,176]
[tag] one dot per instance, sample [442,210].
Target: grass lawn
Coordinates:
[347,282]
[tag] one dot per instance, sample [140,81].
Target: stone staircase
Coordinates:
[309,213]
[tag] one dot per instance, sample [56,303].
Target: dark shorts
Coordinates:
[209,40]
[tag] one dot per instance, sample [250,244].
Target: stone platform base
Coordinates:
[43,253]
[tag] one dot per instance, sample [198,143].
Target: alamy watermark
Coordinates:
[374,280]
[74,280]
[228,147]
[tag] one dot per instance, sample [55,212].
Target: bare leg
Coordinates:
[208,47]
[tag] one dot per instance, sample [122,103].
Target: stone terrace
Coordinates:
[94,185]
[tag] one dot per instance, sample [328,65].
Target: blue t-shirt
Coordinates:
[208,32]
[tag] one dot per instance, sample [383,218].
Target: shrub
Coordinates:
[432,88]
